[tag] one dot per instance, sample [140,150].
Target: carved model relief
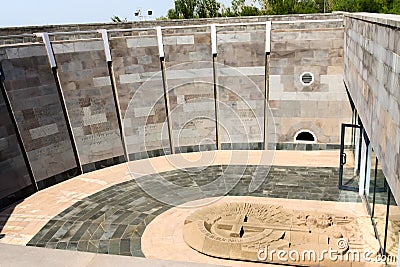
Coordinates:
[248,231]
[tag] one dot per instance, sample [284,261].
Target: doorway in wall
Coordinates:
[350,147]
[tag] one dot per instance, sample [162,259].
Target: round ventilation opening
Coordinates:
[307,78]
[305,136]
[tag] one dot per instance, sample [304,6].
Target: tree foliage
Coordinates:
[372,6]
[283,7]
[185,8]
[212,8]
[395,7]
[240,8]
[118,19]
[188,9]
[173,14]
[207,8]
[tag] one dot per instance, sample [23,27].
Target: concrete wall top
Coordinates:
[144,24]
[385,19]
[20,35]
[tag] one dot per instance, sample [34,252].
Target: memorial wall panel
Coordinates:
[190,79]
[241,83]
[86,85]
[35,101]
[137,69]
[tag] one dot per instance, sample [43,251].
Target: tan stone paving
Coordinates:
[20,222]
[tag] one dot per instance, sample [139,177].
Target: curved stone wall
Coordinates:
[147,92]
[33,95]
[14,176]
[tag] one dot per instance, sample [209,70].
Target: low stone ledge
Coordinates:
[12,255]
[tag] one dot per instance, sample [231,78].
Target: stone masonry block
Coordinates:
[62,48]
[297,44]
[31,51]
[129,78]
[12,53]
[233,38]
[44,131]
[196,56]
[101,81]
[320,44]
[88,46]
[94,119]
[180,40]
[141,42]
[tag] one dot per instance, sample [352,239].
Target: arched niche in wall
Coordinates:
[305,136]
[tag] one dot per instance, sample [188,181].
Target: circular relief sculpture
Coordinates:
[250,231]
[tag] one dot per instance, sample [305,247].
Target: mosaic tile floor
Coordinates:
[112,221]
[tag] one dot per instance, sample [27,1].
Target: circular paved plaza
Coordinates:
[108,211]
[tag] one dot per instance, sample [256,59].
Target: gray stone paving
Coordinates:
[112,221]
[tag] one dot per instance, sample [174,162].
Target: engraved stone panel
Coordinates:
[88,94]
[191,90]
[241,83]
[141,93]
[13,173]
[34,98]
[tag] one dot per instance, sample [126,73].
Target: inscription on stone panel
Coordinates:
[48,150]
[89,119]
[43,131]
[96,139]
[150,129]
[94,119]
